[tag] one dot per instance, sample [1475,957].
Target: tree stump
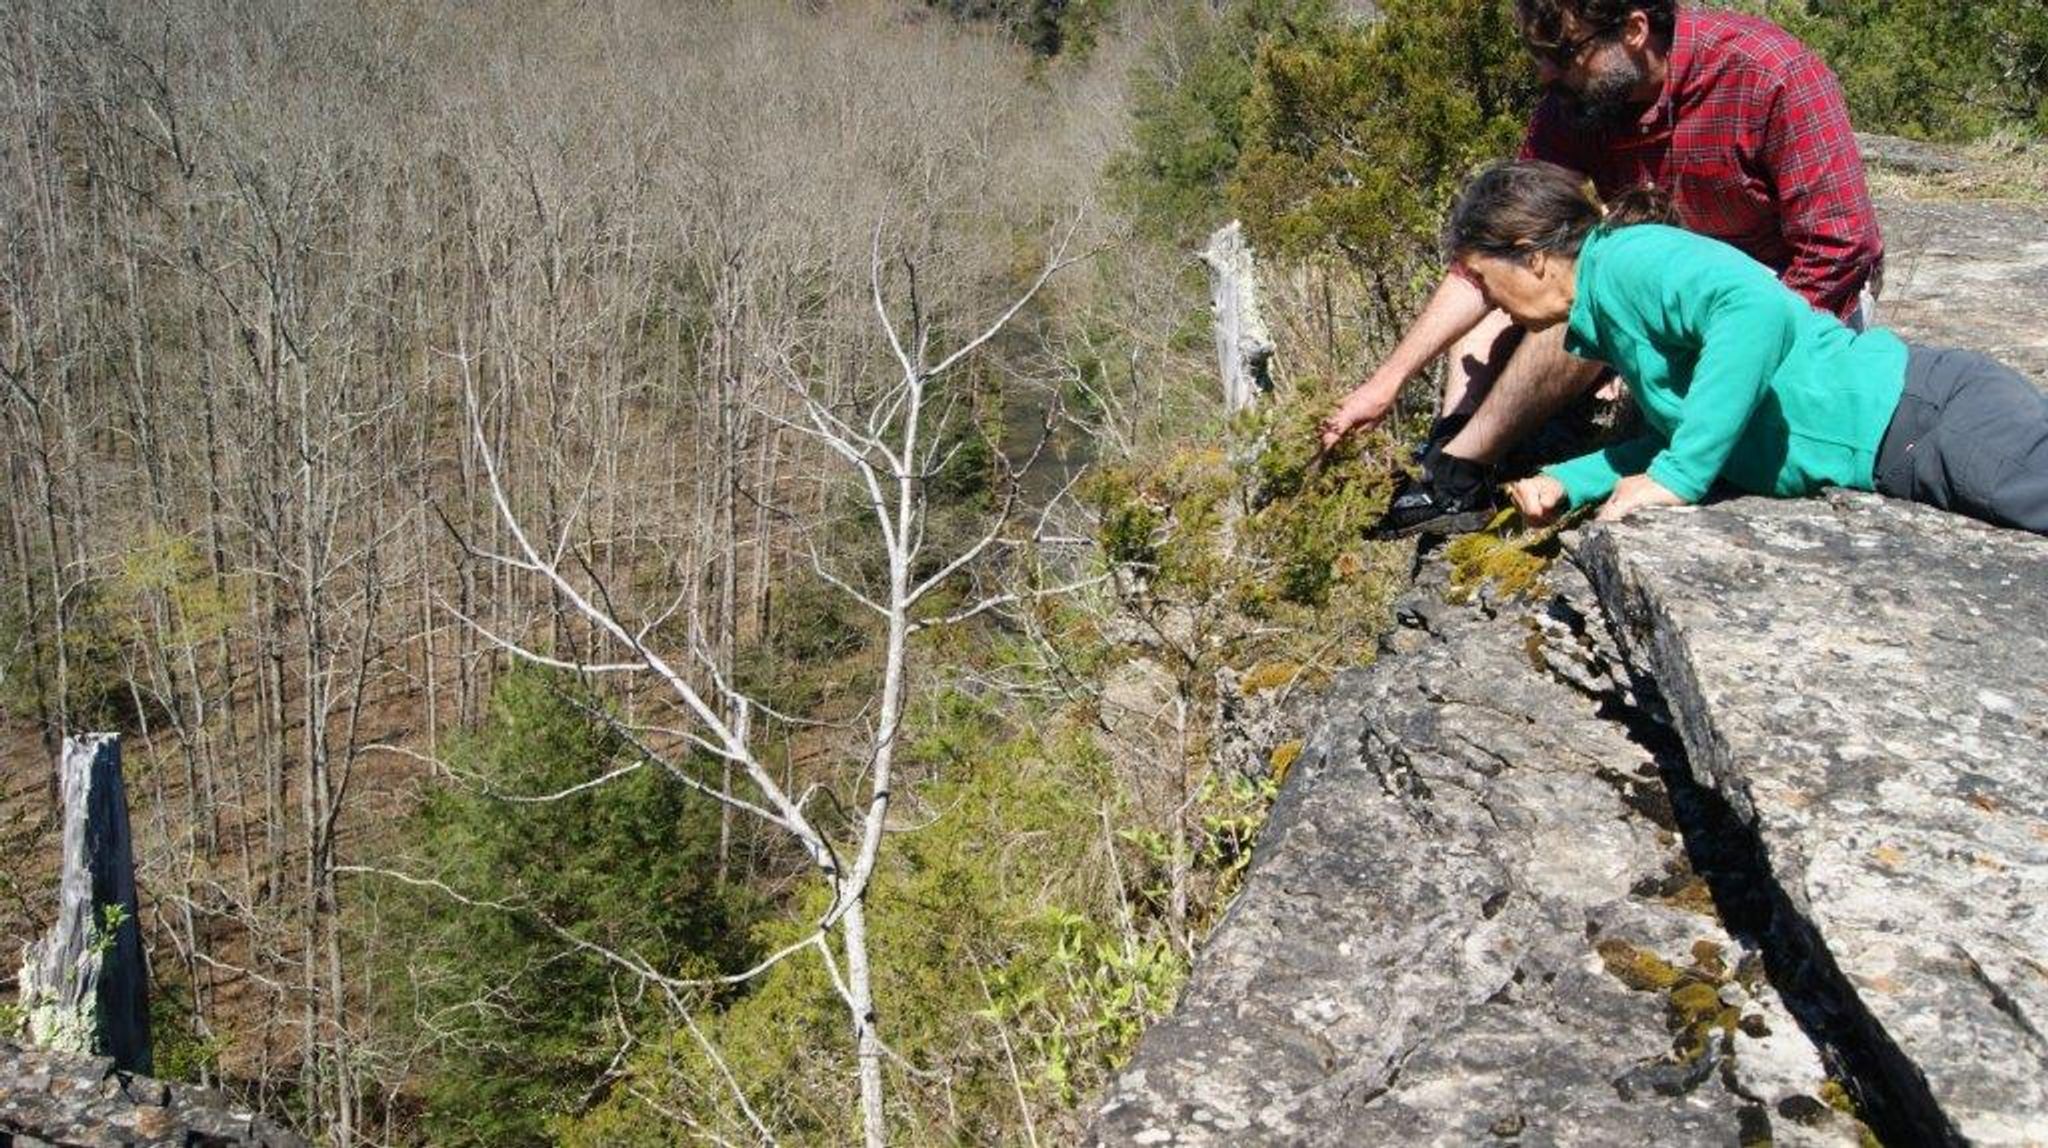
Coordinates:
[1244,346]
[85,987]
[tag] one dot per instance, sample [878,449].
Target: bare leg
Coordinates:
[1540,379]
[1508,381]
[1476,360]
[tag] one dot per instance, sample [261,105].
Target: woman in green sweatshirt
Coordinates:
[1739,380]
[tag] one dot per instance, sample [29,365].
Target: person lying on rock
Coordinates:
[1736,118]
[1739,380]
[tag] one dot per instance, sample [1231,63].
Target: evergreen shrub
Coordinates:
[518,1022]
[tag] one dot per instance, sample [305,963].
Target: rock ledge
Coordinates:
[67,1101]
[1736,833]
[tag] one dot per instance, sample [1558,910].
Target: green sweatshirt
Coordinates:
[1738,378]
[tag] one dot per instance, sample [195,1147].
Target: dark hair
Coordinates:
[1514,209]
[1542,21]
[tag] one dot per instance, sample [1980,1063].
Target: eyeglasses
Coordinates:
[1563,56]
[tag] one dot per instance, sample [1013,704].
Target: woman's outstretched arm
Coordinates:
[1592,477]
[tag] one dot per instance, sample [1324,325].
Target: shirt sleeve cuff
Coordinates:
[1586,479]
[1667,474]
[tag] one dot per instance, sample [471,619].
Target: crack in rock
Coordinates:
[1843,799]
[1806,735]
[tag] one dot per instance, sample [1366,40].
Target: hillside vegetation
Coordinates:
[675,574]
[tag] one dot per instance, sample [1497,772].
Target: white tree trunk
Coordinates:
[867,1040]
[1244,346]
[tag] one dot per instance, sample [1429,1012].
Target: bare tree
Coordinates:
[231,240]
[888,442]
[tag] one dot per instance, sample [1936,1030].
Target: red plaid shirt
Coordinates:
[1751,138]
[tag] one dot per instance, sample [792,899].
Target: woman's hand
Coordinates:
[1362,409]
[1636,492]
[1539,498]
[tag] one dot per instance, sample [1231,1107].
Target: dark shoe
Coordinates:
[1441,432]
[1457,496]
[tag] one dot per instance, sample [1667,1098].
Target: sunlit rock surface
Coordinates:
[1790,759]
[1969,275]
[1863,681]
[53,1098]
[1472,922]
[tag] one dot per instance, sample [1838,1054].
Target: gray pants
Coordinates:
[1970,435]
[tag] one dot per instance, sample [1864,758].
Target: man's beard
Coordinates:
[1608,99]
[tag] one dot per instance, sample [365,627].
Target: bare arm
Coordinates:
[1455,308]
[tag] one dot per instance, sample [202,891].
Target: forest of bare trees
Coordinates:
[674,571]
[353,353]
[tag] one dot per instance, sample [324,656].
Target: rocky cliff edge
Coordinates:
[59,1100]
[1734,832]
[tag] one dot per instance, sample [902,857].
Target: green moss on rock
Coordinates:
[1639,969]
[1269,676]
[1283,759]
[1695,1012]
[1514,565]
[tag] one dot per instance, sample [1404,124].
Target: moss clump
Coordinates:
[1639,969]
[1697,1016]
[1695,1012]
[1534,645]
[1269,676]
[1693,896]
[1694,1002]
[1491,556]
[1837,1096]
[1680,887]
[1512,559]
[1283,759]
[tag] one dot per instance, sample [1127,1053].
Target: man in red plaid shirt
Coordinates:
[1738,121]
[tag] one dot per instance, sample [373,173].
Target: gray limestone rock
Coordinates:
[1861,679]
[1254,716]
[1426,951]
[1969,275]
[1906,155]
[58,1098]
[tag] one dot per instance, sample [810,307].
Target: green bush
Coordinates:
[1188,108]
[1931,69]
[178,1050]
[958,910]
[519,1023]
[1356,137]
[1282,527]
